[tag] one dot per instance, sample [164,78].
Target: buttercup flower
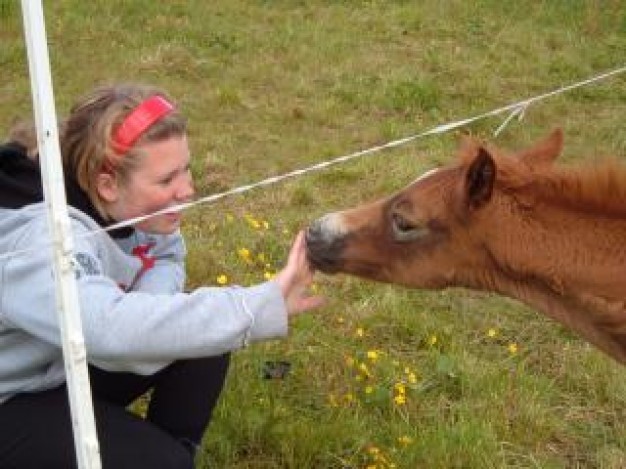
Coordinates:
[365,370]
[244,253]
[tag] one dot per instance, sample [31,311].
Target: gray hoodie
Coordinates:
[139,331]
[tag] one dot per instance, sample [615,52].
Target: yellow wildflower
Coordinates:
[512,348]
[405,440]
[222,279]
[492,333]
[432,340]
[372,355]
[360,332]
[369,389]
[412,377]
[253,222]
[268,275]
[244,253]
[365,370]
[400,399]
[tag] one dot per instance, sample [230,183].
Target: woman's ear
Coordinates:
[107,187]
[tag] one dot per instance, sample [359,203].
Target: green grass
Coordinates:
[271,86]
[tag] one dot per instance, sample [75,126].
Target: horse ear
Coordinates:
[545,151]
[479,179]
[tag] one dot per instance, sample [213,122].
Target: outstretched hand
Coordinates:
[296,278]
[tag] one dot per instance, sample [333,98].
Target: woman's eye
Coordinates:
[170,178]
[166,181]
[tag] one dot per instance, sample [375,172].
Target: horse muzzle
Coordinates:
[325,243]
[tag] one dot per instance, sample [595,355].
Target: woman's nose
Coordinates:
[185,190]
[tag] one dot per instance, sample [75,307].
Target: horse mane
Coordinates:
[592,187]
[587,188]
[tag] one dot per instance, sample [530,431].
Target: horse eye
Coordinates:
[401,223]
[405,230]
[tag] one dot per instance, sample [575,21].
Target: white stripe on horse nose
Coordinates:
[331,226]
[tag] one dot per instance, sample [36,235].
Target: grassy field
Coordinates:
[382,377]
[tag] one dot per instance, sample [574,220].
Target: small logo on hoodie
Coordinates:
[85,264]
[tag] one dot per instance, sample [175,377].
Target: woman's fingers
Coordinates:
[296,278]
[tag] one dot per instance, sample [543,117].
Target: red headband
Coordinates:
[139,120]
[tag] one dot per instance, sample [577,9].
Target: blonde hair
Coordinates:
[86,136]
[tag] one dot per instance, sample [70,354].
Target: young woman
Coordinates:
[125,154]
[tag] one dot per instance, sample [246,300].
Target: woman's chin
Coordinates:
[162,224]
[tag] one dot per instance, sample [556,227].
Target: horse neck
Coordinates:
[569,266]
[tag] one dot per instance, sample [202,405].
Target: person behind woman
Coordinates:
[125,154]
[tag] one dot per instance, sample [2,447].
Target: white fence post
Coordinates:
[68,310]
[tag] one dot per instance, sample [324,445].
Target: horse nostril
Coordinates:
[313,232]
[314,238]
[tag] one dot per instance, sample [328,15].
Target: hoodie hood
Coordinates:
[21,185]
